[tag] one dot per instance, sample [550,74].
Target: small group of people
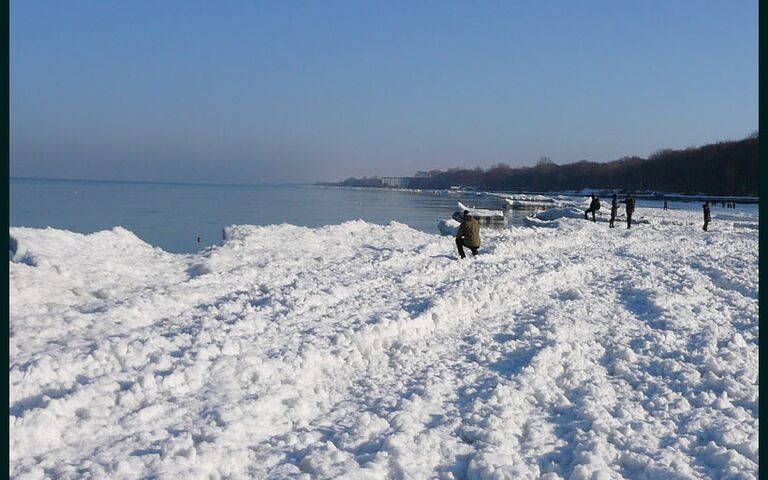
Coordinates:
[468,234]
[594,205]
[727,204]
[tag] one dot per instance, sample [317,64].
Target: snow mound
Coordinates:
[448,227]
[557,213]
[369,351]
[535,222]
[526,201]
[480,212]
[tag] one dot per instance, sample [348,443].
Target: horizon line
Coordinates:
[159,182]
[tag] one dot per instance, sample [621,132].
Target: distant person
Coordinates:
[594,206]
[665,204]
[707,215]
[614,209]
[630,201]
[468,234]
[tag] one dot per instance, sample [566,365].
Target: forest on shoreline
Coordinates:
[722,168]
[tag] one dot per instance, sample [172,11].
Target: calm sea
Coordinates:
[173,216]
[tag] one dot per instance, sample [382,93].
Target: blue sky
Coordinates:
[250,91]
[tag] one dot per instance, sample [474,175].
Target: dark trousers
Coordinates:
[460,245]
[587,212]
[706,222]
[629,220]
[613,218]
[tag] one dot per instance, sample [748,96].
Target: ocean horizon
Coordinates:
[175,215]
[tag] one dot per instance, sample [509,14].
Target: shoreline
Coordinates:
[652,195]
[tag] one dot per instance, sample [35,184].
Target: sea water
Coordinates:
[186,218]
[173,216]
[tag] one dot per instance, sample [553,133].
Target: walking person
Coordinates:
[468,234]
[707,215]
[614,209]
[594,206]
[630,201]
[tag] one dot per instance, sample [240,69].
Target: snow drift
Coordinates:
[529,200]
[367,351]
[556,213]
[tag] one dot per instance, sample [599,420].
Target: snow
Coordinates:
[532,221]
[480,212]
[367,351]
[556,213]
[532,200]
[448,227]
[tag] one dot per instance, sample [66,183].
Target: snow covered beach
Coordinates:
[366,351]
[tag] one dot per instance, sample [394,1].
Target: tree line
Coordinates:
[722,168]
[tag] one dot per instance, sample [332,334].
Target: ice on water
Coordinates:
[365,351]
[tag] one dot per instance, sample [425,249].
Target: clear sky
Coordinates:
[247,91]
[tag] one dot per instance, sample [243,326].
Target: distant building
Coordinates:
[422,174]
[396,182]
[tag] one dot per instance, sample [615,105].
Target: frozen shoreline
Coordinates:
[652,195]
[368,351]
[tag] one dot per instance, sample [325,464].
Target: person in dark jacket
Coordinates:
[468,234]
[707,215]
[614,209]
[594,206]
[665,204]
[630,201]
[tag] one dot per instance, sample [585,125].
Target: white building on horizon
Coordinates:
[397,182]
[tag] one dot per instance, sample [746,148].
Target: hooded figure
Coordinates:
[614,209]
[468,234]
